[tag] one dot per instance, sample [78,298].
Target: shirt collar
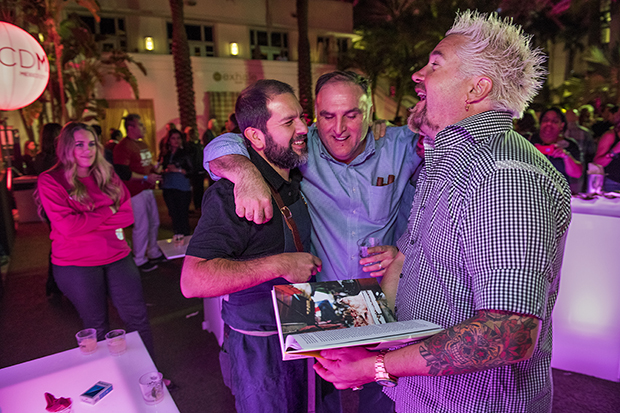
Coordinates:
[369,149]
[475,128]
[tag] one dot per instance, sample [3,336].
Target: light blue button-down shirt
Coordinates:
[344,202]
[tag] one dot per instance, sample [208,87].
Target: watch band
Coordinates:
[381,375]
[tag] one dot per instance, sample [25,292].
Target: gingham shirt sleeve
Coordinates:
[509,240]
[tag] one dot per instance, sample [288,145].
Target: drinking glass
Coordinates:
[152,387]
[87,340]
[368,242]
[116,342]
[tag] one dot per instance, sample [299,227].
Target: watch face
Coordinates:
[387,383]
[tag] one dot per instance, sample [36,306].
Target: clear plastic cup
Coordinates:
[152,387]
[365,243]
[87,340]
[116,342]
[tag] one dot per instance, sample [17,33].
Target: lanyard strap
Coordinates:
[288,217]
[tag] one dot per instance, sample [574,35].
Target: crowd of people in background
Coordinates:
[37,157]
[577,141]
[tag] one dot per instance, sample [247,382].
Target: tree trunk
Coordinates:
[398,95]
[54,111]
[182,67]
[27,127]
[399,104]
[594,28]
[373,87]
[304,67]
[61,84]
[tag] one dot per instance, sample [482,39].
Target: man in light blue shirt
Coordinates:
[353,184]
[341,181]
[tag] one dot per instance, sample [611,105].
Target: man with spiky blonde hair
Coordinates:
[485,240]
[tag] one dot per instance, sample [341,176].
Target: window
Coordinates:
[109,32]
[269,45]
[323,52]
[605,16]
[199,38]
[330,49]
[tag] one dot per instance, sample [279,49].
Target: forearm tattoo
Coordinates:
[488,340]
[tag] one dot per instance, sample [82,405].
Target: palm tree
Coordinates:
[182,67]
[304,68]
[52,23]
[602,82]
[369,55]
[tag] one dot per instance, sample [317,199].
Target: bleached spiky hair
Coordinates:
[499,49]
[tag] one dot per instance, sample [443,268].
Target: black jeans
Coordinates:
[198,189]
[178,202]
[88,289]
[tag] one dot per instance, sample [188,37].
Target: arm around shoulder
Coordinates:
[252,195]
[222,146]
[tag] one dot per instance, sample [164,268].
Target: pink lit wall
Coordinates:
[586,323]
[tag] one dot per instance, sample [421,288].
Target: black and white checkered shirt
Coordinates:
[487,231]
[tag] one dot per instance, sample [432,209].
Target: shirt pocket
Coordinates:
[381,203]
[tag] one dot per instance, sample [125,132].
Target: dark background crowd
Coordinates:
[578,141]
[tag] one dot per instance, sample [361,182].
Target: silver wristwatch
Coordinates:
[381,375]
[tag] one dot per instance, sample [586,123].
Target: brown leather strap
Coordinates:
[288,217]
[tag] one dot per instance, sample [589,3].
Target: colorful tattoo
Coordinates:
[488,340]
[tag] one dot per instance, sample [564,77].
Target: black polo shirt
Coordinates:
[220,233]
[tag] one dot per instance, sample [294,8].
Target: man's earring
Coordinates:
[466,106]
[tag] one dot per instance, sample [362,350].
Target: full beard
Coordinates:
[282,156]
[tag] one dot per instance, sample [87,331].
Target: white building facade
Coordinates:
[263,29]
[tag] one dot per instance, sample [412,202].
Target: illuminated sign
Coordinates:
[24,68]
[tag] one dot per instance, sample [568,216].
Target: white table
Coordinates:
[598,206]
[174,249]
[213,317]
[70,373]
[586,318]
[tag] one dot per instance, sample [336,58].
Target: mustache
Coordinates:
[297,137]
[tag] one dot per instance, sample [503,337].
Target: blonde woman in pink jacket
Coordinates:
[88,207]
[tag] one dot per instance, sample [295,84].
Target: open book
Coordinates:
[334,314]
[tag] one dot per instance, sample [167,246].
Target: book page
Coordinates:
[362,335]
[308,307]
